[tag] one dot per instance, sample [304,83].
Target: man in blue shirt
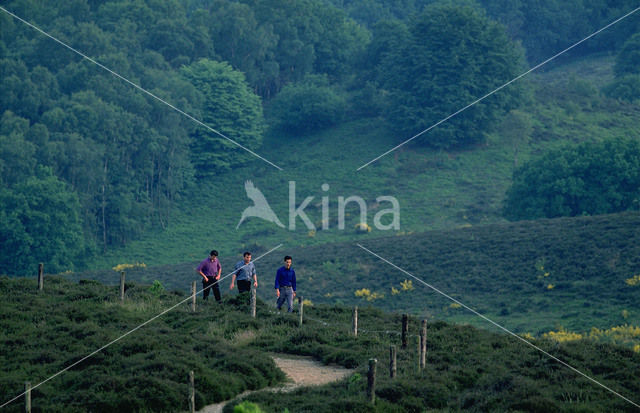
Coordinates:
[245,272]
[286,284]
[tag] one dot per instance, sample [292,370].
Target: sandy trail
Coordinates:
[302,371]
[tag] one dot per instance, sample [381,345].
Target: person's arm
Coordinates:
[219,271]
[233,280]
[277,284]
[199,270]
[255,277]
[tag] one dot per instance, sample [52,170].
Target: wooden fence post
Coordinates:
[392,361]
[301,308]
[192,392]
[122,286]
[40,276]
[371,381]
[418,351]
[355,321]
[253,302]
[423,344]
[27,397]
[405,330]
[193,296]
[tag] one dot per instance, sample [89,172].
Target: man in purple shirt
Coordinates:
[210,270]
[286,284]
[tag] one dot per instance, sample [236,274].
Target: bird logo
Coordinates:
[260,207]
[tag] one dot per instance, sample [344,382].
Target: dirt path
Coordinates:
[302,371]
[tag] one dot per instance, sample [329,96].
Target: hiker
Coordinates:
[245,272]
[210,270]
[286,284]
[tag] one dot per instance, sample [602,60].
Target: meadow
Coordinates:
[467,368]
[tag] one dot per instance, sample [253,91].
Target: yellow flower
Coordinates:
[394,291]
[527,336]
[562,335]
[122,267]
[635,280]
[550,287]
[363,227]
[365,292]
[455,305]
[407,285]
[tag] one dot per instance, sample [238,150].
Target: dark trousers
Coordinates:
[244,286]
[212,284]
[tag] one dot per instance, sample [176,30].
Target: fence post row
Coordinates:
[371,381]
[122,286]
[192,392]
[193,296]
[423,344]
[355,321]
[40,276]
[392,361]
[405,330]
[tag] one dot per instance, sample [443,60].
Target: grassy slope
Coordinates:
[502,270]
[435,189]
[147,370]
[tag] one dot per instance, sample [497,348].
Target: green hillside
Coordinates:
[530,276]
[467,368]
[435,189]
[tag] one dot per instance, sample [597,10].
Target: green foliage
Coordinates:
[548,26]
[502,270]
[628,59]
[307,106]
[275,43]
[590,178]
[467,368]
[626,88]
[156,288]
[41,223]
[246,407]
[231,108]
[448,57]
[145,371]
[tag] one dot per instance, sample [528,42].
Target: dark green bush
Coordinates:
[310,105]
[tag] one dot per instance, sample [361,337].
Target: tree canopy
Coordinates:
[447,57]
[586,179]
[233,110]
[128,158]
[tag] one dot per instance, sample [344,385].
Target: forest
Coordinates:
[90,163]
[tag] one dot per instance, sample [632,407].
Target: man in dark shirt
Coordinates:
[210,270]
[286,284]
